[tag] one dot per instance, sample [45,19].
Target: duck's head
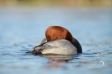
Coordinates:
[58,32]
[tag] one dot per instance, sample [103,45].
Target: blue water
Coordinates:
[22,28]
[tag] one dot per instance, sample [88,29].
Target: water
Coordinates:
[22,28]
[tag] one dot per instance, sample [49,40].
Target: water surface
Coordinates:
[22,28]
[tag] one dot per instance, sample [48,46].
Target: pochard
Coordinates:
[58,41]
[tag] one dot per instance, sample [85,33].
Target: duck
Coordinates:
[58,41]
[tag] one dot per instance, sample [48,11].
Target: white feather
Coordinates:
[61,46]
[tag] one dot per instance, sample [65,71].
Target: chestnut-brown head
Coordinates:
[58,32]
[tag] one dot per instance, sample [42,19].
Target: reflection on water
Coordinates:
[59,57]
[56,61]
[23,28]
